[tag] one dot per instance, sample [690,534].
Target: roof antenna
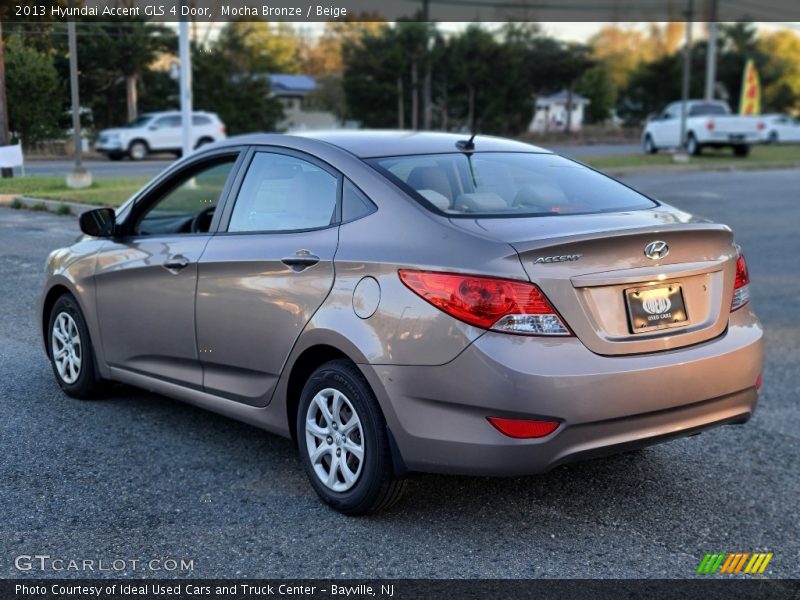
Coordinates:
[467,145]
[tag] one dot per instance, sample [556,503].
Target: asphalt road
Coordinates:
[152,166]
[139,476]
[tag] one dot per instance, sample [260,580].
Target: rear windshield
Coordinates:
[703,110]
[507,184]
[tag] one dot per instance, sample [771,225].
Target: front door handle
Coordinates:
[177,262]
[301,260]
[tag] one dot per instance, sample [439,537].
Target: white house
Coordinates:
[291,91]
[551,113]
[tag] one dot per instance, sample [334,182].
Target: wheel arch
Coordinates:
[139,139]
[58,287]
[308,361]
[50,298]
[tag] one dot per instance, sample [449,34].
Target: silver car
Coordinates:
[399,302]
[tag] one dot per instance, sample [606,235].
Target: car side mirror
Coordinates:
[99,222]
[153,127]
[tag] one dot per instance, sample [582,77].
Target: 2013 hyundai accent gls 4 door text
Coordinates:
[399,302]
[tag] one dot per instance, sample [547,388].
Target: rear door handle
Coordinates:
[177,262]
[301,260]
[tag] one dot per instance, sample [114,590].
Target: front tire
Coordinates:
[70,349]
[648,145]
[343,441]
[138,150]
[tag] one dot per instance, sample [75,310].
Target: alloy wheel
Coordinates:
[334,440]
[66,346]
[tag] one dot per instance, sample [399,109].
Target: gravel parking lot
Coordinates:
[139,476]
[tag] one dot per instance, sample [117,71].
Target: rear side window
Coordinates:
[507,184]
[200,120]
[284,193]
[703,110]
[355,203]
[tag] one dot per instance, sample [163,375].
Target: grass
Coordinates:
[111,191]
[759,156]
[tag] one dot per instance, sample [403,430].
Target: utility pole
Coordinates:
[79,177]
[186,86]
[4,139]
[711,52]
[687,69]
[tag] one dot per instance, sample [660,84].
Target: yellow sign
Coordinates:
[750,102]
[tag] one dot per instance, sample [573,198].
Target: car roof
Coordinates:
[164,113]
[376,143]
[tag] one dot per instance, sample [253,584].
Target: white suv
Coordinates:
[158,132]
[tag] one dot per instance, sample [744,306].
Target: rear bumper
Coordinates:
[719,138]
[437,415]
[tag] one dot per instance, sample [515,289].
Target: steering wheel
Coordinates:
[201,222]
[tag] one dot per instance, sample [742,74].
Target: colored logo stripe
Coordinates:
[734,562]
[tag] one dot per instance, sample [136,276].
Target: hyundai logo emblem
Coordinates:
[656,250]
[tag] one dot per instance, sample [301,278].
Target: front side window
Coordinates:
[172,121]
[507,184]
[188,204]
[141,121]
[284,193]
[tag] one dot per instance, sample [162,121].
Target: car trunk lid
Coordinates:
[616,300]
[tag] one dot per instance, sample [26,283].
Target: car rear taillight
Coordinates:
[710,125]
[741,285]
[487,302]
[523,428]
[761,126]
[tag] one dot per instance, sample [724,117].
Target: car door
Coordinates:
[165,133]
[146,277]
[666,130]
[263,277]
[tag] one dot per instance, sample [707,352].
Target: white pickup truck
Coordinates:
[708,124]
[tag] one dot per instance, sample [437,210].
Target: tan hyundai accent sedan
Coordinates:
[399,302]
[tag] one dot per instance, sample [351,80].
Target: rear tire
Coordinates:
[70,350]
[202,142]
[693,147]
[741,150]
[343,441]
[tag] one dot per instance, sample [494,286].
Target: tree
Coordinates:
[597,86]
[473,57]
[653,85]
[271,47]
[373,80]
[225,82]
[326,56]
[621,50]
[33,92]
[113,57]
[739,43]
[783,51]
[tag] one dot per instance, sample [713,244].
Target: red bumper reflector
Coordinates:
[758,382]
[523,428]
